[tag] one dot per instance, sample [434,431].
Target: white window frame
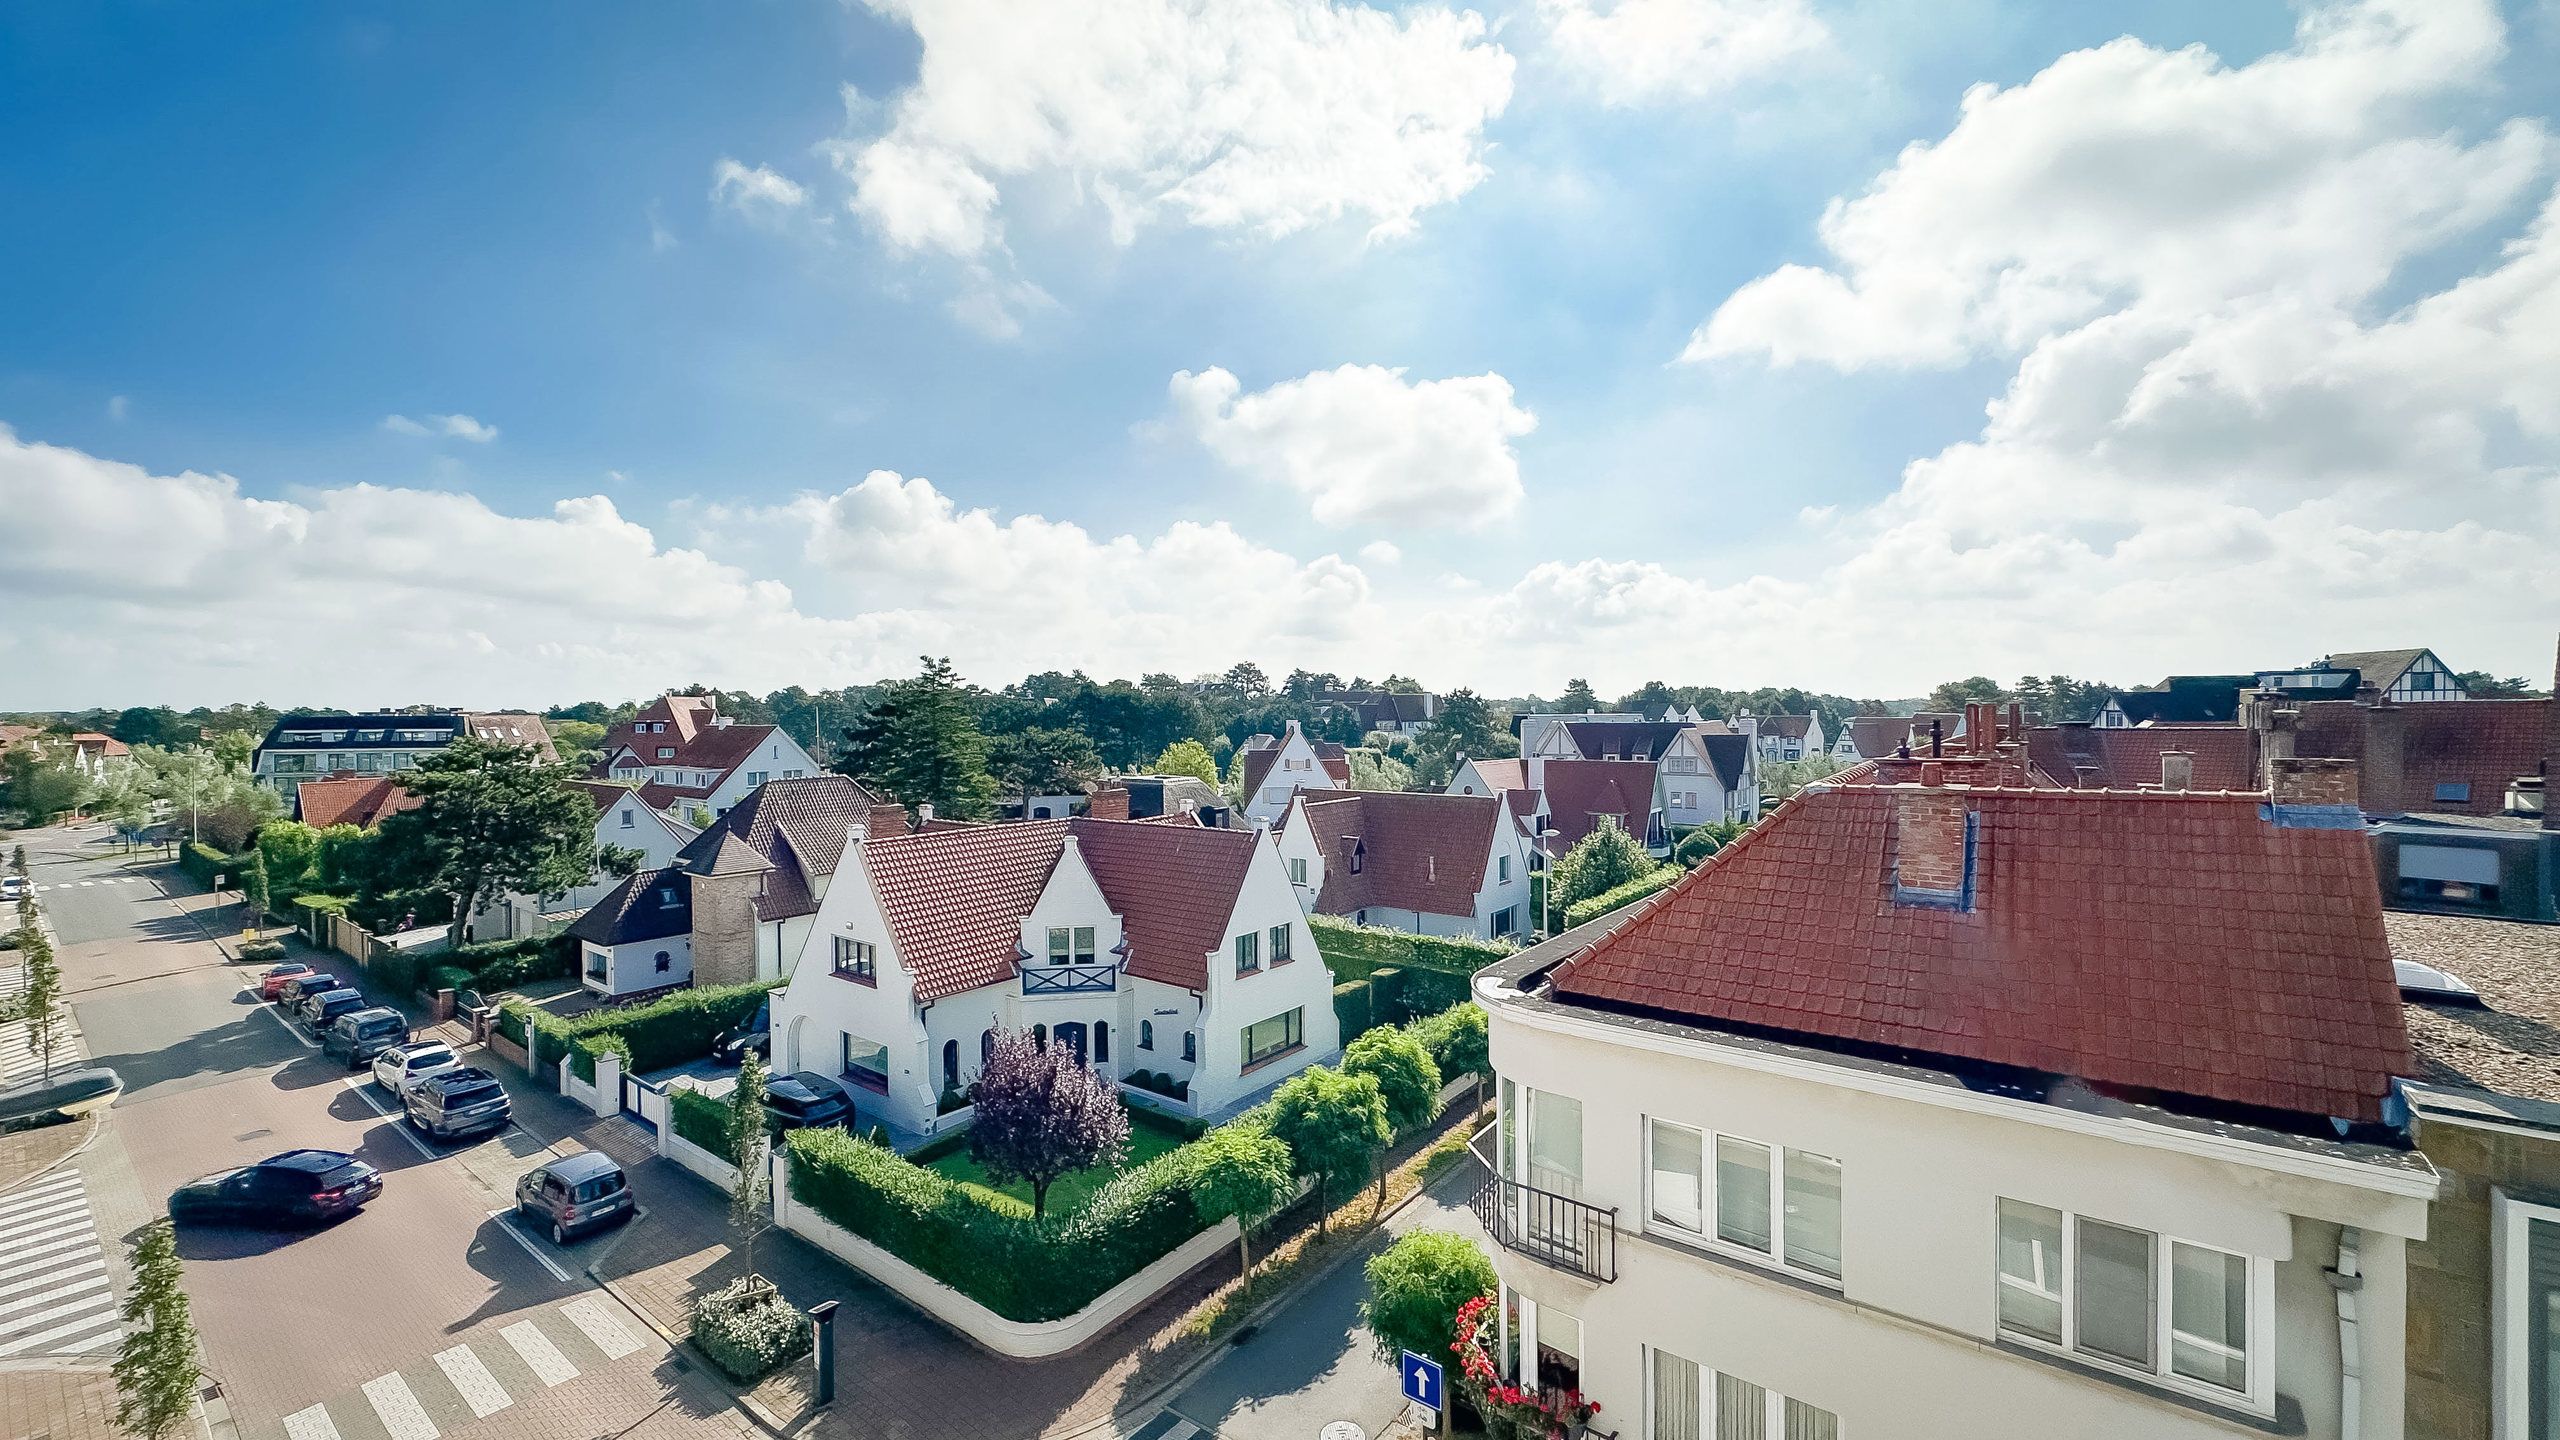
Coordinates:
[1773,1424]
[2260,1398]
[2510,1328]
[1706,1238]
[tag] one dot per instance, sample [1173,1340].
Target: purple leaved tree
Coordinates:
[1040,1113]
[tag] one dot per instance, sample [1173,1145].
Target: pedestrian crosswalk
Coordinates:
[19,1058]
[86,884]
[55,1294]
[1169,1426]
[457,1388]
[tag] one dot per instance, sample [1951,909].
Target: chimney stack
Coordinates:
[1937,738]
[2296,781]
[2275,742]
[2386,740]
[2177,770]
[855,834]
[1932,773]
[924,814]
[2551,752]
[1111,802]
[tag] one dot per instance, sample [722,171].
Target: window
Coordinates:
[1280,945]
[629,819]
[866,1063]
[1070,944]
[1248,953]
[1298,872]
[2524,1317]
[2456,792]
[756,778]
[1146,1034]
[1506,920]
[666,752]
[1190,1047]
[1686,1401]
[598,963]
[1101,1043]
[668,898]
[665,962]
[1266,1038]
[2133,1300]
[1779,1204]
[857,960]
[1502,869]
[790,774]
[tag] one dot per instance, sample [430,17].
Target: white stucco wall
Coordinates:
[634,967]
[1232,1002]
[1295,768]
[1906,1348]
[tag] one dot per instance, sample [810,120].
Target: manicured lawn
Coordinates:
[1147,1140]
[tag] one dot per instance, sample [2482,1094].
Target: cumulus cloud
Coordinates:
[1632,52]
[756,192]
[1365,445]
[1259,116]
[455,427]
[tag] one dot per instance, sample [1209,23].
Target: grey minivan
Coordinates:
[359,1035]
[460,1102]
[579,1192]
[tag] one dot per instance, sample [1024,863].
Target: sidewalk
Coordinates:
[41,1399]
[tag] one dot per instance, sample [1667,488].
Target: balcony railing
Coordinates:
[1549,1228]
[1069,979]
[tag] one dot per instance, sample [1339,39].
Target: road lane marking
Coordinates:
[26,1343]
[362,1087]
[398,1407]
[506,1218]
[290,1028]
[67,1180]
[311,1424]
[78,1287]
[51,1259]
[479,1389]
[54,1204]
[540,1355]
[599,1323]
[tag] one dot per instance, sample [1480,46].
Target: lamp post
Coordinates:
[824,1315]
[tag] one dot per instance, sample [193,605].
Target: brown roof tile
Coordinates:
[358,800]
[1418,852]
[1580,791]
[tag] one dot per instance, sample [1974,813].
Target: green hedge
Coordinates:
[670,1030]
[449,977]
[1354,1008]
[1583,912]
[309,908]
[700,1119]
[390,973]
[1354,951]
[503,964]
[201,862]
[583,1053]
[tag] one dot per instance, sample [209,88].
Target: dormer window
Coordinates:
[666,752]
[1071,944]
[667,898]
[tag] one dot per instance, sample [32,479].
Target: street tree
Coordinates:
[1244,1172]
[749,1138]
[158,1366]
[38,1001]
[233,749]
[1416,1288]
[921,743]
[1041,761]
[1334,1125]
[1600,861]
[1041,1112]
[494,819]
[1187,757]
[1459,1045]
[1408,1083]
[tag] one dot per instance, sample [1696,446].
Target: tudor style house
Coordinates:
[1782,737]
[1433,864]
[2407,676]
[623,822]
[1275,769]
[1174,949]
[1914,1114]
[692,762]
[1710,771]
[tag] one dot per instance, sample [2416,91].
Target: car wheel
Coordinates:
[559,1233]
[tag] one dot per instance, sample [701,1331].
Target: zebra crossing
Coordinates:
[56,1297]
[19,1059]
[85,884]
[469,1383]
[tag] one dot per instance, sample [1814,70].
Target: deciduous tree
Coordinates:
[1187,757]
[1602,860]
[1416,1287]
[494,819]
[158,1366]
[1408,1083]
[750,1135]
[1244,1172]
[1042,1112]
[1333,1124]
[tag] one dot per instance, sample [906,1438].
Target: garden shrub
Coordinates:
[1353,1007]
[391,973]
[307,912]
[201,862]
[1456,1039]
[749,1330]
[504,964]
[1583,912]
[261,951]
[670,1030]
[584,1050]
[702,1120]
[450,977]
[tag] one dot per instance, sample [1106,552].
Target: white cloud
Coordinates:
[1366,446]
[1260,116]
[455,427]
[119,407]
[1634,51]
[2129,176]
[756,192]
[1381,553]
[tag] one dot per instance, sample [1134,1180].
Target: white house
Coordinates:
[624,822]
[1710,772]
[1783,737]
[2408,676]
[639,936]
[1433,864]
[1173,949]
[1912,1115]
[1275,769]
[691,761]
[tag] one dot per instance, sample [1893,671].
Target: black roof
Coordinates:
[1730,754]
[636,910]
[449,721]
[2187,700]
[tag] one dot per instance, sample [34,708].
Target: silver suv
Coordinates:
[463,1101]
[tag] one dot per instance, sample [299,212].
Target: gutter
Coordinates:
[2347,1278]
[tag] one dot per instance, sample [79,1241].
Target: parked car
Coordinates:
[305,1187]
[295,987]
[753,1033]
[805,1099]
[12,888]
[582,1192]
[272,980]
[320,1007]
[400,1068]
[465,1100]
[359,1035]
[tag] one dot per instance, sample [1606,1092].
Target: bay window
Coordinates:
[1266,1038]
[1777,1204]
[2134,1300]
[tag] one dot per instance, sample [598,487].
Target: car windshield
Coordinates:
[471,1092]
[428,1059]
[346,1174]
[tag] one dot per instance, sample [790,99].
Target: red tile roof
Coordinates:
[698,742]
[1418,852]
[359,800]
[2175,943]
[1175,888]
[2085,757]
[106,745]
[1876,735]
[1579,791]
[2484,744]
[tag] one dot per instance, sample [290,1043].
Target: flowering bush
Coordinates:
[1526,1412]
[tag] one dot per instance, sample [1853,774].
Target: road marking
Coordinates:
[81,1327]
[52,1277]
[363,1087]
[599,1322]
[548,1364]
[506,1218]
[398,1406]
[290,1028]
[64,1292]
[311,1424]
[479,1389]
[59,1203]
[49,1246]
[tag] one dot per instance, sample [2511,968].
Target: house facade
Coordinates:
[1454,865]
[312,745]
[692,762]
[1710,771]
[639,936]
[2414,676]
[623,822]
[1276,769]
[1907,1116]
[1783,737]
[1178,950]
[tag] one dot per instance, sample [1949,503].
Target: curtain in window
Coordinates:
[2114,1292]
[2209,1316]
[1675,1397]
[1742,1410]
[2031,1270]
[1804,1422]
[1555,1143]
[1679,1160]
[1813,1213]
[1742,1193]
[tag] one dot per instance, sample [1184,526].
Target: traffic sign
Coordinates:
[1421,1381]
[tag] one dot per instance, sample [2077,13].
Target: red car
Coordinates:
[271,983]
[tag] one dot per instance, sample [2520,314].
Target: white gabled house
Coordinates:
[689,760]
[1275,769]
[1173,949]
[1432,864]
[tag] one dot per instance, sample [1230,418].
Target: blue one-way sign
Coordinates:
[1421,1381]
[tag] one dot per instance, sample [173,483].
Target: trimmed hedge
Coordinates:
[583,1053]
[670,1030]
[201,862]
[1583,912]
[261,950]
[1355,951]
[449,977]
[748,1330]
[700,1119]
[501,964]
[389,972]
[309,908]
[1354,1008]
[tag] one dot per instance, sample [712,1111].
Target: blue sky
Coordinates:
[256,250]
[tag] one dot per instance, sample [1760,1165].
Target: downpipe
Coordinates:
[2347,1278]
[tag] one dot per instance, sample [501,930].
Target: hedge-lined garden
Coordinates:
[702,1121]
[670,1030]
[1393,977]
[1583,912]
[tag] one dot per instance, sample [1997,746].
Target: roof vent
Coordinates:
[2177,770]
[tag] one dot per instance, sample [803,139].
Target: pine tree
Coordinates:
[158,1367]
[921,743]
[1579,698]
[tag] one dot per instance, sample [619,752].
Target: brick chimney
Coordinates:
[2177,770]
[1932,856]
[2296,781]
[2386,742]
[1111,802]
[2275,741]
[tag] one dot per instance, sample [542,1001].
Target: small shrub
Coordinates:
[702,1121]
[450,977]
[261,951]
[584,1050]
[748,1330]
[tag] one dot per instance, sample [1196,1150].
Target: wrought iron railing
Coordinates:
[1553,1229]
[1069,979]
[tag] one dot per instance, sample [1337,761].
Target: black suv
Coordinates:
[806,1099]
[298,1186]
[468,1101]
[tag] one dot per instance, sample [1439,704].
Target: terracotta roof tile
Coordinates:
[2482,744]
[1175,888]
[358,800]
[2085,757]
[1580,791]
[1419,852]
